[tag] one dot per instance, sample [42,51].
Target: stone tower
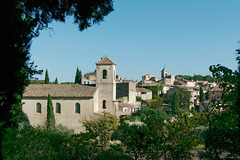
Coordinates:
[106,84]
[164,72]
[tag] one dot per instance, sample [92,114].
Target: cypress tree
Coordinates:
[50,114]
[46,77]
[201,97]
[175,102]
[56,81]
[78,77]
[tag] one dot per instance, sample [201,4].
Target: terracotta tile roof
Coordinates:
[106,61]
[59,90]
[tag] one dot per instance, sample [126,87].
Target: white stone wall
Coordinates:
[67,117]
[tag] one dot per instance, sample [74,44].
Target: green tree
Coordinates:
[50,114]
[201,97]
[78,77]
[175,102]
[102,127]
[46,77]
[159,137]
[223,116]
[56,81]
[23,21]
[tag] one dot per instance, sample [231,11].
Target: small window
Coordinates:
[104,104]
[104,74]
[58,108]
[77,108]
[39,108]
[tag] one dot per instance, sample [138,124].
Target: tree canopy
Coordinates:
[22,20]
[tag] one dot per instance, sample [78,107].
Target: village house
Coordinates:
[73,103]
[143,93]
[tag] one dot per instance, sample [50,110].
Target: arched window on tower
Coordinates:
[104,104]
[104,74]
[58,108]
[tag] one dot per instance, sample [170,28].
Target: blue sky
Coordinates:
[141,36]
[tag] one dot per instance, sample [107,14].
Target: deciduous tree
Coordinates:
[102,127]
[22,20]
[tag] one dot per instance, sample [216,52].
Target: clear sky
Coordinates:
[141,36]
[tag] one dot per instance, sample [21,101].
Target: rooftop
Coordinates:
[164,69]
[142,90]
[106,61]
[59,90]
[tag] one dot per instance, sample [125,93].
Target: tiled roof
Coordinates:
[106,61]
[59,90]
[142,90]
[125,105]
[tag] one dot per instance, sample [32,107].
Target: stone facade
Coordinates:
[144,93]
[73,103]
[36,95]
[106,84]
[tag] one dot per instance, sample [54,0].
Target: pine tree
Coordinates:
[46,77]
[175,102]
[201,97]
[78,77]
[50,114]
[56,81]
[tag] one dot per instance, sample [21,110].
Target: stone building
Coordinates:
[144,93]
[73,103]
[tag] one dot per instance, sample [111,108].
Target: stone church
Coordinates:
[74,102]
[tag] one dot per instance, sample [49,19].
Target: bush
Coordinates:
[31,143]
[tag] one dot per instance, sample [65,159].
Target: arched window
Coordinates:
[104,74]
[104,104]
[77,108]
[58,108]
[38,108]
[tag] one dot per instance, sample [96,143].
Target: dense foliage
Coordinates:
[180,99]
[22,20]
[199,78]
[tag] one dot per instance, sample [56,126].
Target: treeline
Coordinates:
[199,78]
[78,79]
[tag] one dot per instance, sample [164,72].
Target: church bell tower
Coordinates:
[106,84]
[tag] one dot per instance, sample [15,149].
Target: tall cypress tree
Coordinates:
[56,81]
[201,97]
[78,77]
[50,114]
[175,102]
[46,77]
